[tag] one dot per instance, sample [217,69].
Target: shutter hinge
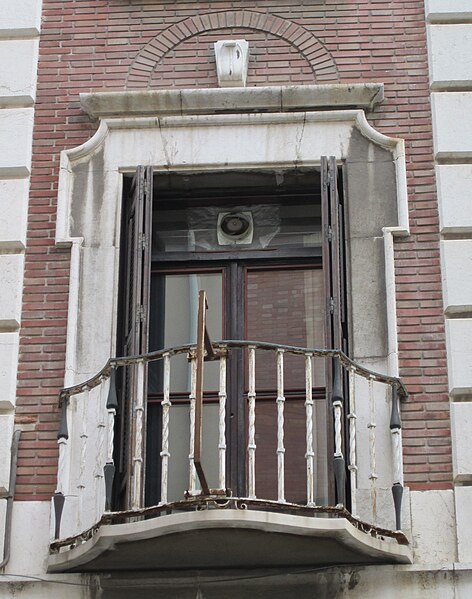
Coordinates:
[141,314]
[143,241]
[329,233]
[332,305]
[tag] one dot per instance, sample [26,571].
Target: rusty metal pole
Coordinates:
[197,452]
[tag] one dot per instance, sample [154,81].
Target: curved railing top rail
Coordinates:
[220,347]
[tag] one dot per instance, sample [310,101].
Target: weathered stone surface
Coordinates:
[209,101]
[452,124]
[456,267]
[450,58]
[433,526]
[13,213]
[20,18]
[448,10]
[461,428]
[16,130]
[18,65]
[11,275]
[8,368]
[459,355]
[455,197]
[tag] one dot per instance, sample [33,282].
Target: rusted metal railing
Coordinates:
[96,403]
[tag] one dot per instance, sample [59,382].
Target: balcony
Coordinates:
[105,522]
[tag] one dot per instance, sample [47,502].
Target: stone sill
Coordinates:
[167,102]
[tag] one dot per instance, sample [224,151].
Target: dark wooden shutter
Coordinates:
[136,279]
[333,255]
[138,262]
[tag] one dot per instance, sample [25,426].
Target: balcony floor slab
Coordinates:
[228,538]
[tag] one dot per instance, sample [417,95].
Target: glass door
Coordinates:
[285,305]
[174,306]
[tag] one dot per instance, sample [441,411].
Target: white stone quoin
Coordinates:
[13,213]
[459,355]
[18,60]
[461,425]
[455,197]
[450,57]
[456,267]
[448,10]
[16,134]
[452,124]
[11,275]
[9,344]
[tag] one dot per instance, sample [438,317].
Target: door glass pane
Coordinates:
[174,313]
[286,306]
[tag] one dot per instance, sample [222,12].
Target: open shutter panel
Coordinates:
[137,275]
[139,221]
[333,253]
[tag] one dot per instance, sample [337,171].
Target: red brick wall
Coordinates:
[108,44]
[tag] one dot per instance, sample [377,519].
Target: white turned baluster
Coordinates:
[100,455]
[137,491]
[84,400]
[397,456]
[222,425]
[165,454]
[338,412]
[62,470]
[372,426]
[81,482]
[251,447]
[192,484]
[280,427]
[110,434]
[310,454]
[352,416]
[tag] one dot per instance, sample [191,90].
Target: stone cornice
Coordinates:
[168,102]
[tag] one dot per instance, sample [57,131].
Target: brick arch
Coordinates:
[322,63]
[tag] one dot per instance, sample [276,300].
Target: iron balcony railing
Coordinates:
[86,436]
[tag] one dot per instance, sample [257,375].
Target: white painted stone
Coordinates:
[433,526]
[95,319]
[20,18]
[11,276]
[384,516]
[6,432]
[455,197]
[461,429]
[448,10]
[276,98]
[232,59]
[13,213]
[18,67]
[456,273]
[16,131]
[29,543]
[459,355]
[450,55]
[452,124]
[463,497]
[3,511]
[9,344]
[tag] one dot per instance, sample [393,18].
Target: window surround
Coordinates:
[227,129]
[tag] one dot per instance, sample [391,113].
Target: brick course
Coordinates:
[104,45]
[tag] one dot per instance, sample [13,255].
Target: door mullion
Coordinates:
[236,425]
